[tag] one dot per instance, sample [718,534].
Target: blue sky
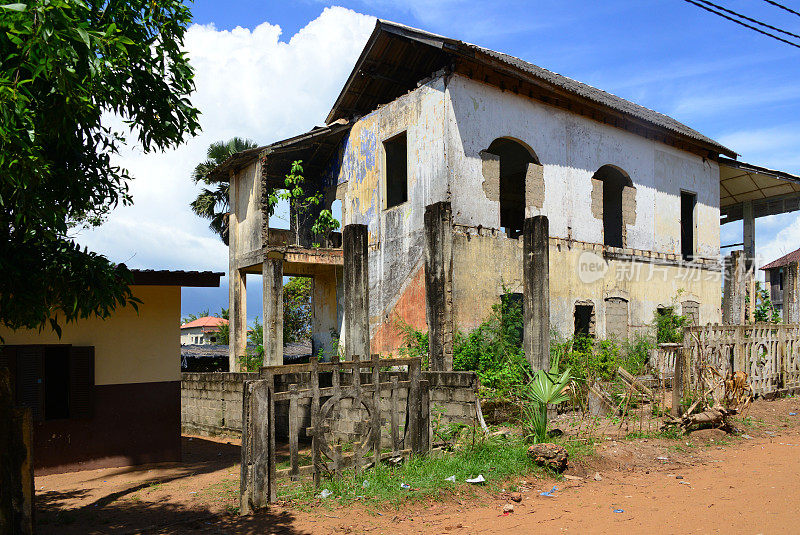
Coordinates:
[271,69]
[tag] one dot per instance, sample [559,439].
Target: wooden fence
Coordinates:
[768,353]
[344,415]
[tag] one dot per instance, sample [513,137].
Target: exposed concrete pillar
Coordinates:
[734,289]
[356,291]
[272,304]
[439,284]
[791,293]
[237,317]
[536,293]
[749,235]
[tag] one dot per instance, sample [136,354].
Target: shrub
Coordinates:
[669,326]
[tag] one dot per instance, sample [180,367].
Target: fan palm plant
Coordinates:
[544,388]
[212,202]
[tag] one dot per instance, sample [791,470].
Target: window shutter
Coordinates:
[8,358]
[30,372]
[81,382]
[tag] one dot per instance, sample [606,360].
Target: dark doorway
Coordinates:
[514,160]
[614,181]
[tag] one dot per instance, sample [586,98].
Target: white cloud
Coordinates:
[250,84]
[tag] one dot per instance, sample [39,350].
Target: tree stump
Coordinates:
[549,455]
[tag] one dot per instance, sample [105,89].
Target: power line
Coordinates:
[724,16]
[776,4]
[745,17]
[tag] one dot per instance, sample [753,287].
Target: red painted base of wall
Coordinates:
[132,424]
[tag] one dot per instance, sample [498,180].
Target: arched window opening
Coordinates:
[613,183]
[514,167]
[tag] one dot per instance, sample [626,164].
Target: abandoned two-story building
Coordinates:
[634,198]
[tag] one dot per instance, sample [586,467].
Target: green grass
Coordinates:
[498,460]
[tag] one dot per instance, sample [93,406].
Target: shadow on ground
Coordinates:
[135,499]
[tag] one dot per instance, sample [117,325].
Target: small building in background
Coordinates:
[775,279]
[202,331]
[107,392]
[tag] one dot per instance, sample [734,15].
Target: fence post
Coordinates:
[257,477]
[536,291]
[356,291]
[679,383]
[438,284]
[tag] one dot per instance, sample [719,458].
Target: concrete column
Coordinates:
[272,273]
[791,293]
[734,289]
[536,292]
[439,284]
[356,291]
[237,317]
[749,235]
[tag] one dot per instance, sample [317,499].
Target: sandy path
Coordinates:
[752,488]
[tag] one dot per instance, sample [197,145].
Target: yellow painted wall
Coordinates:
[484,265]
[130,347]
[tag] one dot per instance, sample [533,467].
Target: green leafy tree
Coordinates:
[297,309]
[212,201]
[303,207]
[67,66]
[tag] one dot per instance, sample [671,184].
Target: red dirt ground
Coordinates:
[711,483]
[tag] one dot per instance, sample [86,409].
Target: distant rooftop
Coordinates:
[205,321]
[785,260]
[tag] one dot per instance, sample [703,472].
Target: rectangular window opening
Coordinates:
[396,150]
[688,202]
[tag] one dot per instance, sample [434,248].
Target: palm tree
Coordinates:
[212,202]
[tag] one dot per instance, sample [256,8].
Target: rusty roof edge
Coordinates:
[455,46]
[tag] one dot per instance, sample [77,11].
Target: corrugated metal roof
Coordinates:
[438,48]
[794,256]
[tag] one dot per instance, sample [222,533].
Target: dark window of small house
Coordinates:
[396,150]
[688,201]
[56,383]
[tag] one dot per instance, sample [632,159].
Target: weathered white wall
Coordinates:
[572,148]
[396,239]
[247,209]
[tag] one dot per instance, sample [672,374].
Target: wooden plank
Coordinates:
[395,429]
[631,381]
[414,400]
[330,391]
[294,429]
[376,409]
[315,453]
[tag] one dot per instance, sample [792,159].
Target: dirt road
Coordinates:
[751,488]
[711,483]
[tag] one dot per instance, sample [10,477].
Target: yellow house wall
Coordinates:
[130,347]
[483,265]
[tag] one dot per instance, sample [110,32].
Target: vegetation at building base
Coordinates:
[65,66]
[764,312]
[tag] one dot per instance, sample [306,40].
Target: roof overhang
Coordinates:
[771,192]
[314,148]
[153,277]
[396,58]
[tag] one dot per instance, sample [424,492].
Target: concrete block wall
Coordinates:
[211,404]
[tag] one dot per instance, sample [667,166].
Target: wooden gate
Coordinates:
[358,394]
